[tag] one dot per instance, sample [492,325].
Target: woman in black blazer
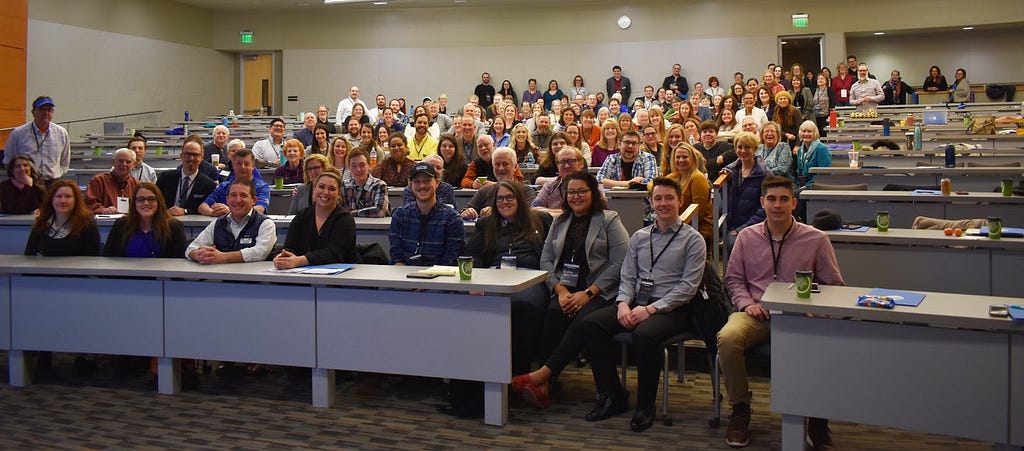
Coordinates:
[322,233]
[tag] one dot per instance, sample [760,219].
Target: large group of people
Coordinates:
[536,205]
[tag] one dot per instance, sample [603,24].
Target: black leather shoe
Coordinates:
[643,419]
[609,405]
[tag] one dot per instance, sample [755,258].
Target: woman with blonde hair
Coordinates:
[608,144]
[339,153]
[302,196]
[521,142]
[688,169]
[673,136]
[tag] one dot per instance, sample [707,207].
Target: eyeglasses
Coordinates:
[631,143]
[567,163]
[506,198]
[314,168]
[191,155]
[145,200]
[577,193]
[650,133]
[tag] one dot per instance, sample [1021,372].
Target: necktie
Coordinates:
[186,183]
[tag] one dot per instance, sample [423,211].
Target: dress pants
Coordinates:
[600,327]
[528,310]
[563,338]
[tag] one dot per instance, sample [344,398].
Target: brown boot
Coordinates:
[738,433]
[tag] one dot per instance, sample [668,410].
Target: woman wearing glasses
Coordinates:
[512,237]
[148,231]
[302,196]
[583,254]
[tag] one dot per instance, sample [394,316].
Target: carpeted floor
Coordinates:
[373,411]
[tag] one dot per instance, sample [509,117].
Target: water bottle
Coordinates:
[833,118]
[529,157]
[373,158]
[950,156]
[186,115]
[918,145]
[886,124]
[224,121]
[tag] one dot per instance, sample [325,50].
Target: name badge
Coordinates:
[509,262]
[643,294]
[842,93]
[570,275]
[122,205]
[245,240]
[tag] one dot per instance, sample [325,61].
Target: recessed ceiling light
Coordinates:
[380,3]
[784,42]
[968,28]
[879,33]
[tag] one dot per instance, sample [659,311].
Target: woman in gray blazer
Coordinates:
[583,255]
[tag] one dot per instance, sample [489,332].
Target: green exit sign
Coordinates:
[245,37]
[800,20]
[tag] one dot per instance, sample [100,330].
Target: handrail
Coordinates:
[721,180]
[689,213]
[109,117]
[93,119]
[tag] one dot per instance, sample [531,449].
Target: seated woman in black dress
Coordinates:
[583,255]
[513,238]
[324,232]
[65,226]
[148,231]
[22,192]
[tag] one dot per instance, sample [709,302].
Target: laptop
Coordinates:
[937,117]
[113,128]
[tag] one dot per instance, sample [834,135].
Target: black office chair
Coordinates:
[761,352]
[626,339]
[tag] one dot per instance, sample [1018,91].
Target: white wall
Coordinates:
[413,73]
[987,56]
[93,73]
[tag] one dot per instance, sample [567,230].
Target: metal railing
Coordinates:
[66,124]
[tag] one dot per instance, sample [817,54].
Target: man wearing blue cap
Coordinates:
[43,141]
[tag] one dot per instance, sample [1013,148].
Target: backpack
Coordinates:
[711,308]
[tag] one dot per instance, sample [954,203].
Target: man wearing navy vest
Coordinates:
[242,235]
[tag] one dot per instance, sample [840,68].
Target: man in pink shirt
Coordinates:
[771,251]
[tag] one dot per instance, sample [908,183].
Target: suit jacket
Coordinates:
[679,81]
[626,88]
[606,248]
[474,154]
[202,186]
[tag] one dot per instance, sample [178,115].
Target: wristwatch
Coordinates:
[590,294]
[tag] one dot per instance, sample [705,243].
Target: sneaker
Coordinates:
[819,436]
[738,432]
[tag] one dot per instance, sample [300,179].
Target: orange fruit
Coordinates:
[948,231]
[958,231]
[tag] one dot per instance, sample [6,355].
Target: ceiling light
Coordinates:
[380,3]
[879,33]
[784,43]
[968,28]
[329,2]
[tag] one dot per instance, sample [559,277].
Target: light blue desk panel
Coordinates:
[422,334]
[241,322]
[5,312]
[915,268]
[1017,390]
[77,314]
[935,380]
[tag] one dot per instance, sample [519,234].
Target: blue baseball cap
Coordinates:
[42,100]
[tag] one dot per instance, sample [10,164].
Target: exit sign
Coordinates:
[800,20]
[245,37]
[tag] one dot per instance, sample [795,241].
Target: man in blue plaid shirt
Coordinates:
[630,165]
[427,232]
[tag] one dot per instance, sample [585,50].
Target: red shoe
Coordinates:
[533,395]
[520,382]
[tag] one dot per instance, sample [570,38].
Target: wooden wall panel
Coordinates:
[13,40]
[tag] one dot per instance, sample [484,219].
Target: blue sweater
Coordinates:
[816,155]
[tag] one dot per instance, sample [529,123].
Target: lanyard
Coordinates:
[669,243]
[39,143]
[776,257]
[424,220]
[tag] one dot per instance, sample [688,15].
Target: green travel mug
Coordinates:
[995,227]
[1006,186]
[465,268]
[882,220]
[803,283]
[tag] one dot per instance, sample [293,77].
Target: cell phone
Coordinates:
[815,288]
[417,275]
[998,310]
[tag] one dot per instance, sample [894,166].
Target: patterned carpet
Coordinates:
[373,411]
